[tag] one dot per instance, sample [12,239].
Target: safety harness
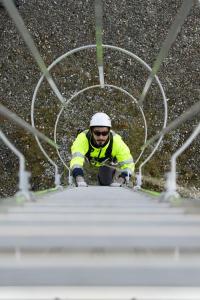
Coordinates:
[108,153]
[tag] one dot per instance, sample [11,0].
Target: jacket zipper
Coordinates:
[99,153]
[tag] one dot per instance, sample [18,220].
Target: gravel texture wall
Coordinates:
[138,26]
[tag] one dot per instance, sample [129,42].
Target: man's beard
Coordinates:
[101,143]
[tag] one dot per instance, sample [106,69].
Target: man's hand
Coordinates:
[80,182]
[118,182]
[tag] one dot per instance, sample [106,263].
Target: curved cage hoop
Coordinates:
[113,48]
[93,87]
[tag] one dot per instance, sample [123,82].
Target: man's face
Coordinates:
[100,135]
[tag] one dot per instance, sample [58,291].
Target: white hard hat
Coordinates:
[100,119]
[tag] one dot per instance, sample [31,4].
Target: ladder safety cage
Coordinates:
[100,47]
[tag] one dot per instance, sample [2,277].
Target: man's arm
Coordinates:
[78,150]
[124,157]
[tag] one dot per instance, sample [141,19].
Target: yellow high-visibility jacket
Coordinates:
[119,152]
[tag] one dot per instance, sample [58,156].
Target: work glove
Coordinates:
[118,182]
[80,182]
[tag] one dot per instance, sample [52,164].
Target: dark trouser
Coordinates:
[105,175]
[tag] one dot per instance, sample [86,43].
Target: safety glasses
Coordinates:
[99,133]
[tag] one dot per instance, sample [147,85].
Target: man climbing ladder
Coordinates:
[100,145]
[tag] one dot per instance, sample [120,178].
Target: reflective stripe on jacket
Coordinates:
[120,152]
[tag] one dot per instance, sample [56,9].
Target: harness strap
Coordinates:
[108,150]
